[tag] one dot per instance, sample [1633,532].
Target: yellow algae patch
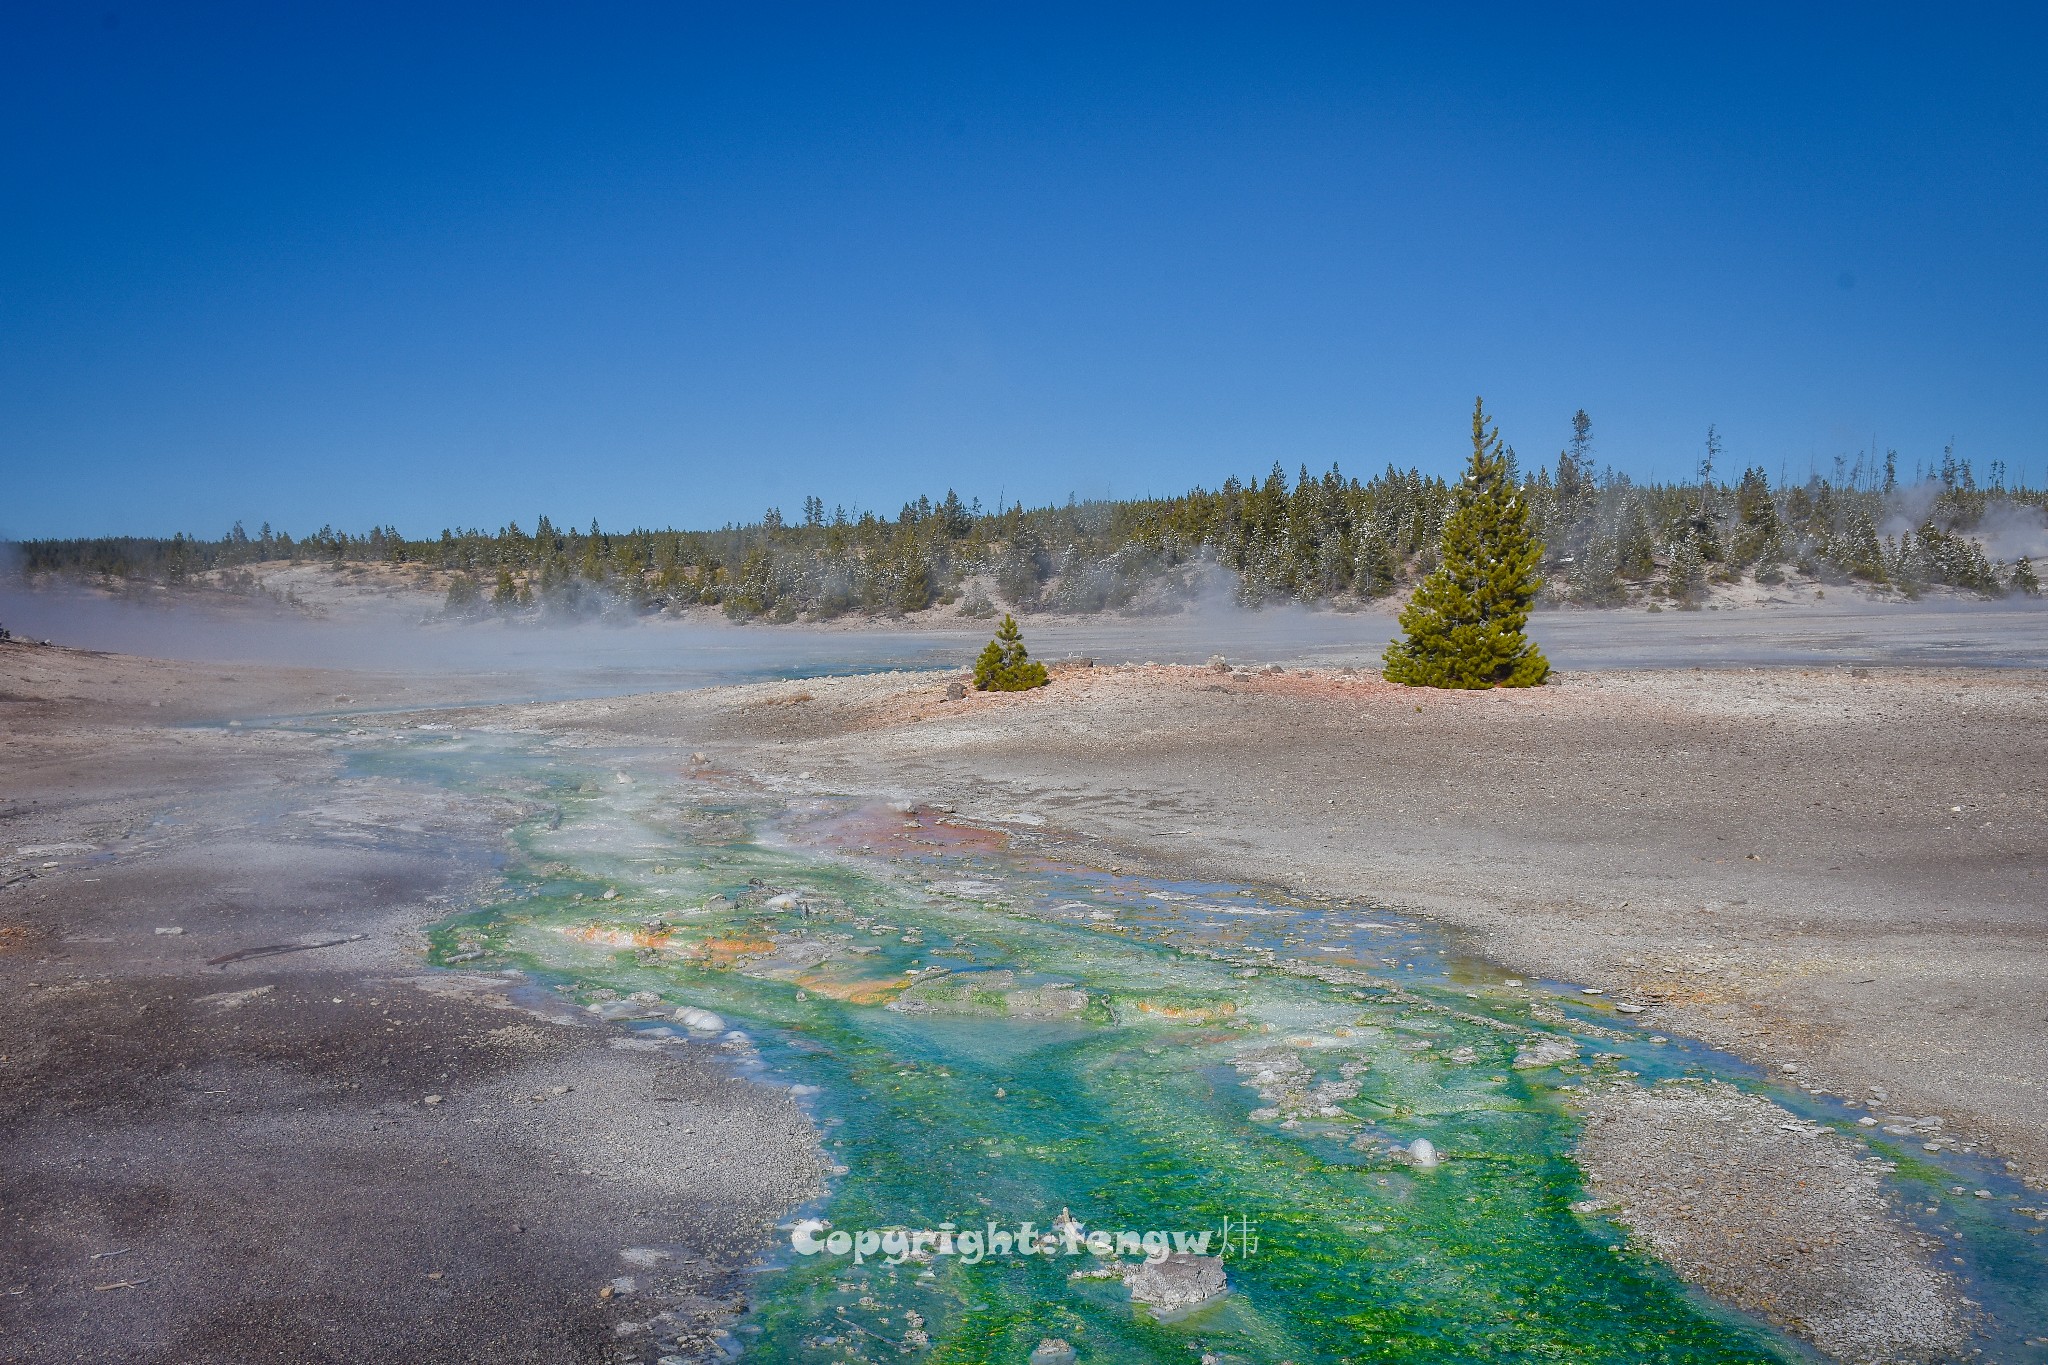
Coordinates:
[725,950]
[616,935]
[1187,1014]
[860,991]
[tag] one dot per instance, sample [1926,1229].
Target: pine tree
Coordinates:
[1005,665]
[1463,626]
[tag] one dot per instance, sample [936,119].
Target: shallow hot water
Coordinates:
[987,1037]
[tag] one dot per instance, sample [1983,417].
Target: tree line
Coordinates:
[1607,539]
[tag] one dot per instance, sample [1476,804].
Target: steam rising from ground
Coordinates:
[501,660]
[2014,531]
[2007,530]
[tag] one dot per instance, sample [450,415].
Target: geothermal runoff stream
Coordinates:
[1370,1133]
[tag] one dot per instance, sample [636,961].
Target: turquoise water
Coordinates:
[985,1037]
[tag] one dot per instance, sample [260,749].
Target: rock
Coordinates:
[431,1099]
[1548,1050]
[1052,1351]
[1179,1281]
[698,1021]
[955,690]
[644,998]
[1218,664]
[1422,1152]
[171,929]
[234,1000]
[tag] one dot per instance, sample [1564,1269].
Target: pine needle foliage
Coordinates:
[1005,665]
[1463,626]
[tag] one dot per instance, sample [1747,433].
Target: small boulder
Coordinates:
[1179,1281]
[1052,1351]
[955,690]
[1548,1050]
[699,1021]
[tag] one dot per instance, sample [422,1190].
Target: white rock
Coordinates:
[1179,1281]
[1422,1152]
[1548,1050]
[698,1021]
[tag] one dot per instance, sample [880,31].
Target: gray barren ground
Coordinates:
[304,1155]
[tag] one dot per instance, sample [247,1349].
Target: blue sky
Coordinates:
[673,264]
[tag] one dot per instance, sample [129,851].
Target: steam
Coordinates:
[2007,531]
[2013,530]
[1910,506]
[500,660]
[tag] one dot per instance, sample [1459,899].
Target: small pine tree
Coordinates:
[463,595]
[1463,626]
[1005,665]
[2024,579]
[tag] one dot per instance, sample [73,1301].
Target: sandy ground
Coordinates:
[242,1161]
[1837,873]
[1836,1265]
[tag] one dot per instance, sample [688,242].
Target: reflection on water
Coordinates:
[988,1038]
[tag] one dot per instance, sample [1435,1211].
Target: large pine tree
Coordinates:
[1463,626]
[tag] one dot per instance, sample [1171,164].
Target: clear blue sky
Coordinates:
[435,264]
